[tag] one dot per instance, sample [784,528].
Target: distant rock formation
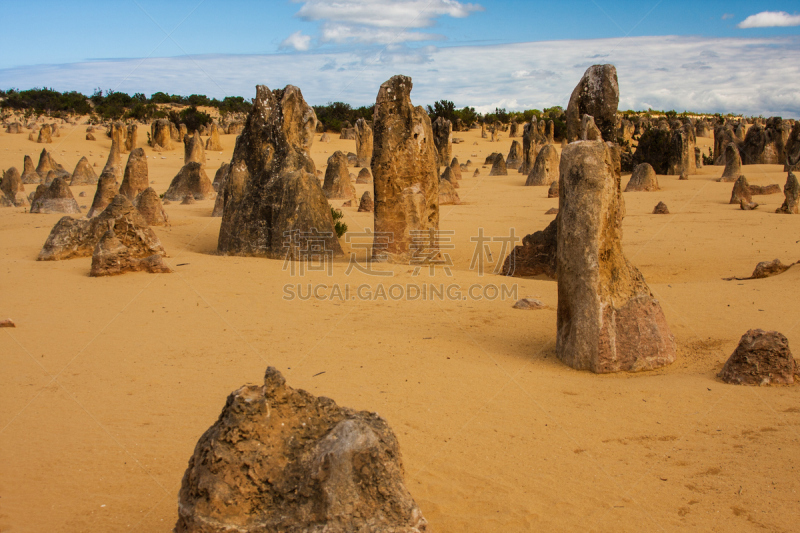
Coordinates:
[193,181]
[643,179]
[364,176]
[499,167]
[213,143]
[136,178]
[366,205]
[589,130]
[791,191]
[193,151]
[535,256]
[112,257]
[545,169]
[12,190]
[741,191]
[661,209]
[363,143]
[47,163]
[150,207]
[337,185]
[160,135]
[442,139]
[83,174]
[45,134]
[29,174]
[220,176]
[607,319]
[114,162]
[733,164]
[514,159]
[56,198]
[107,189]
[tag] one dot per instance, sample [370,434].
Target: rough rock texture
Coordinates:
[545,169]
[404,168]
[150,207]
[213,143]
[661,209]
[220,176]
[448,175]
[57,198]
[792,150]
[456,168]
[597,94]
[741,192]
[13,189]
[589,130]
[766,269]
[29,175]
[272,192]
[337,184]
[348,134]
[45,134]
[90,137]
[550,132]
[791,205]
[607,320]
[193,151]
[514,159]
[758,190]
[766,144]
[698,157]
[364,176]
[47,163]
[531,144]
[131,137]
[14,127]
[491,158]
[363,143]
[529,304]
[733,164]
[723,136]
[325,138]
[83,174]
[667,151]
[447,193]
[536,255]
[552,192]
[281,459]
[190,181]
[111,257]
[116,131]
[499,167]
[643,179]
[114,162]
[136,177]
[72,237]
[366,205]
[160,135]
[107,189]
[761,358]
[442,139]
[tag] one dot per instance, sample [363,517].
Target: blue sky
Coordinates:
[669,53]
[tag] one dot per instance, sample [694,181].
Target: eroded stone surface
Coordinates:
[761,358]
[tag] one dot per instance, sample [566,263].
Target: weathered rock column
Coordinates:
[608,320]
[405,176]
[363,142]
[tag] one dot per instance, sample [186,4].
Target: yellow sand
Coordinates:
[107,384]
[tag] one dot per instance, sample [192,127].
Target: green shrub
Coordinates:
[340,227]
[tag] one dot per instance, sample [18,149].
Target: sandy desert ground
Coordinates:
[107,383]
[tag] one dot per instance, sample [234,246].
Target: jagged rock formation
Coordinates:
[448,176]
[136,176]
[348,133]
[536,255]
[114,162]
[220,176]
[325,138]
[111,257]
[597,94]
[213,143]
[107,189]
[643,179]
[766,145]
[499,167]
[14,127]
[161,135]
[281,459]
[589,130]
[455,167]
[661,209]
[761,358]
[363,143]
[792,161]
[550,132]
[669,152]
[337,185]
[83,174]
[447,193]
[116,131]
[193,149]
[48,163]
[552,192]
[366,205]
[531,144]
[272,196]
[131,136]
[150,207]
[607,320]
[190,181]
[29,174]
[406,177]
[545,169]
[723,136]
[71,238]
[741,192]
[772,188]
[442,137]
[56,198]
[12,190]
[733,164]
[514,159]
[791,205]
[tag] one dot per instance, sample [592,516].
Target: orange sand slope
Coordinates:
[108,383]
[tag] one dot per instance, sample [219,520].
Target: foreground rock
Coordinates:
[71,238]
[597,94]
[761,358]
[111,257]
[643,179]
[607,320]
[545,169]
[536,255]
[150,207]
[733,164]
[57,198]
[791,204]
[280,459]
[193,181]
[271,191]
[405,174]
[83,174]
[337,184]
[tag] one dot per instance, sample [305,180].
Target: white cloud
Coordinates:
[770,19]
[746,75]
[727,16]
[297,41]
[380,22]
